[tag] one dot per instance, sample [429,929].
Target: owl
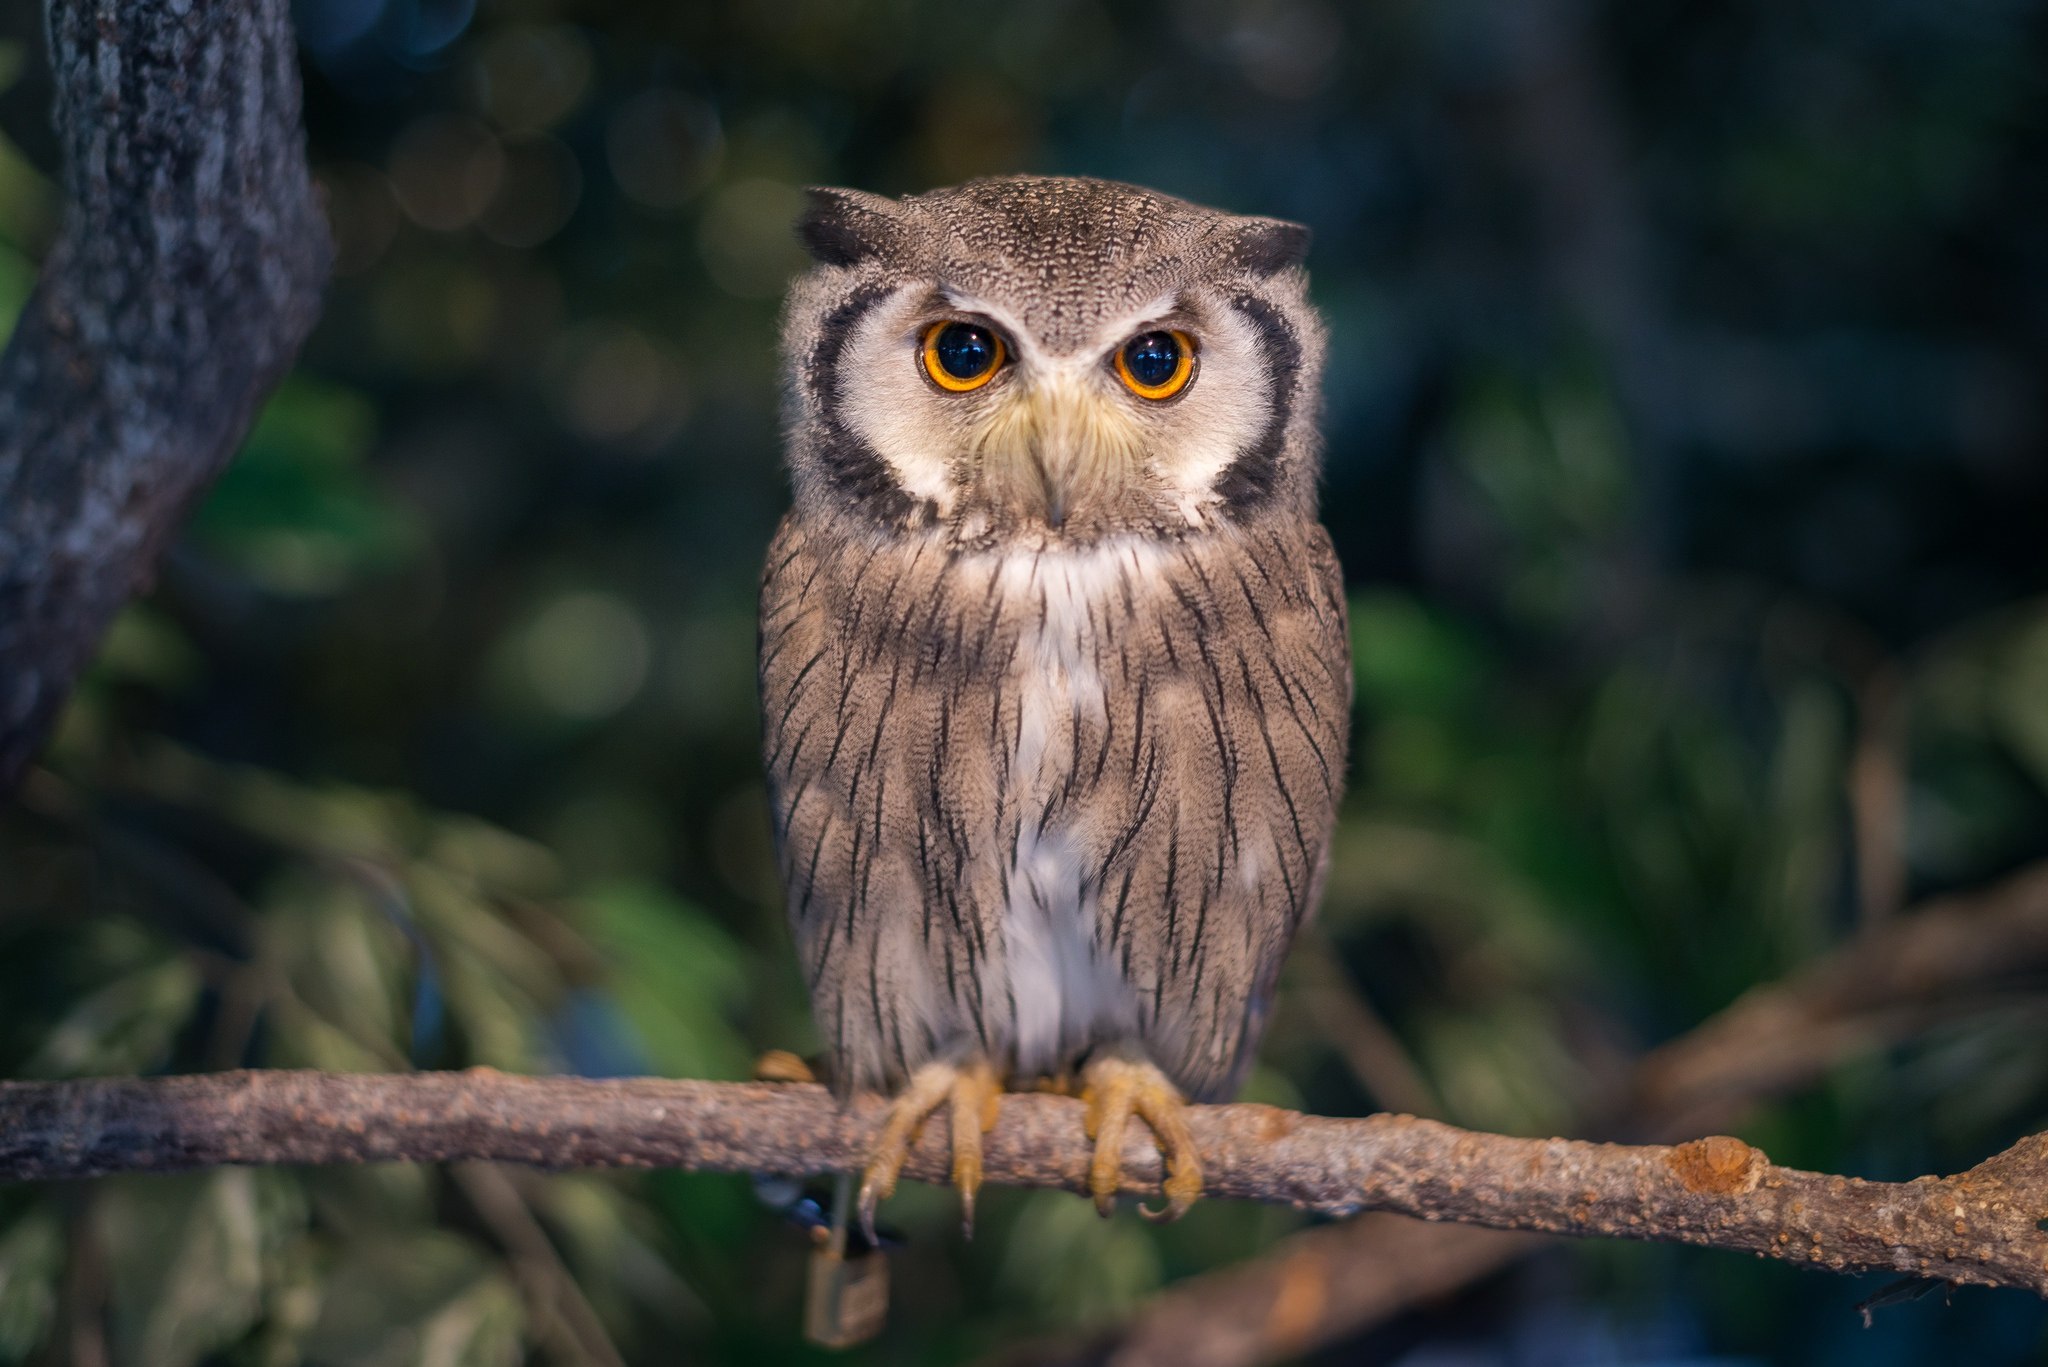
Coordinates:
[1054,668]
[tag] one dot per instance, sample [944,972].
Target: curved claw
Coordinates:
[874,1185]
[1107,1116]
[974,1095]
[1167,1114]
[1115,1088]
[1182,1187]
[977,1097]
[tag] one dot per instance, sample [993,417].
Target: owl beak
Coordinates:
[1061,446]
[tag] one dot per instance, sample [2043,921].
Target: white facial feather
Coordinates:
[935,441]
[889,403]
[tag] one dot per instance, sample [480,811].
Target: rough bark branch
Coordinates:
[186,274]
[1322,1284]
[1979,1226]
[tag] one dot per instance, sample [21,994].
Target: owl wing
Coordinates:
[881,727]
[1214,844]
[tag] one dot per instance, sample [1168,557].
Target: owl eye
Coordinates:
[961,356]
[1157,365]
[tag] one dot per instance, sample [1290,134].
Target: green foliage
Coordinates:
[297,513]
[346,929]
[679,978]
[430,1298]
[32,1257]
[1067,1266]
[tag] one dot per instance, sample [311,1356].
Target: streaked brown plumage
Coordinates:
[1055,678]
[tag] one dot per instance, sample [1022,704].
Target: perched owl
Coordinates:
[1054,666]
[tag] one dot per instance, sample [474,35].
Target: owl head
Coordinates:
[1040,360]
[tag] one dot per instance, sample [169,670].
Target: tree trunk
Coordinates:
[187,272]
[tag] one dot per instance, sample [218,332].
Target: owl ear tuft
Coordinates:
[842,227]
[1267,246]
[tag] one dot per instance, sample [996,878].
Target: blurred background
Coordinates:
[1688,455]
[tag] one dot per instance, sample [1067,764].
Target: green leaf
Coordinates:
[2022,697]
[145,646]
[186,1258]
[125,1027]
[1070,1266]
[493,857]
[1406,658]
[483,1327]
[1503,1063]
[31,1261]
[297,512]
[430,1299]
[344,958]
[608,1237]
[356,1202]
[676,974]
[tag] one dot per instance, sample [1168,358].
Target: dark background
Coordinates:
[1688,456]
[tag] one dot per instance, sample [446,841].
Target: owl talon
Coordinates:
[1108,1114]
[1114,1088]
[973,1094]
[779,1065]
[977,1096]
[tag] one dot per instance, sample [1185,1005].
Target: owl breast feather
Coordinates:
[1033,803]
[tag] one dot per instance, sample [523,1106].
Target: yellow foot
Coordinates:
[1113,1087]
[974,1094]
[779,1065]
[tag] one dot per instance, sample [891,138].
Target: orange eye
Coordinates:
[961,356]
[1157,365]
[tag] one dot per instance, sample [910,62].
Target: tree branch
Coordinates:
[1883,985]
[1976,1227]
[187,272]
[1324,1283]
[1898,976]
